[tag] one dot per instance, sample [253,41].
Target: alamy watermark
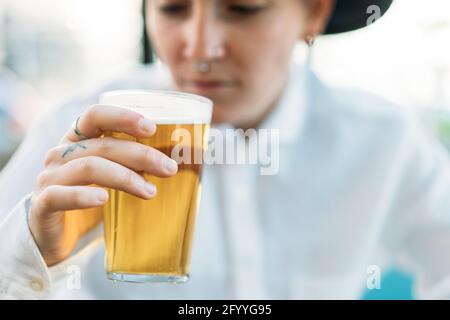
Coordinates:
[73,281]
[231,147]
[375,14]
[373,281]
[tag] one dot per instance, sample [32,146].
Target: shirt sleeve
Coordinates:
[23,271]
[418,230]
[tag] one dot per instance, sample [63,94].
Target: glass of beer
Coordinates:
[151,240]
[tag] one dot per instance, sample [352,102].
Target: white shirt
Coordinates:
[359,184]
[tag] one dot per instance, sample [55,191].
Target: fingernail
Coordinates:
[101,196]
[170,165]
[147,125]
[150,189]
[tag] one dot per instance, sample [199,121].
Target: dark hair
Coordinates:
[147,52]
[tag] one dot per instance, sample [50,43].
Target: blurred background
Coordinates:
[52,49]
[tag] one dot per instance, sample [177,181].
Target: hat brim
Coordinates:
[351,15]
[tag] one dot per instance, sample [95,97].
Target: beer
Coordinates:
[151,240]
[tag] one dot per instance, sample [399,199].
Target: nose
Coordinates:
[204,37]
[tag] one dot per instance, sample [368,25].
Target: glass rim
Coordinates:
[171,93]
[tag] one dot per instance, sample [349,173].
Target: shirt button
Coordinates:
[36,285]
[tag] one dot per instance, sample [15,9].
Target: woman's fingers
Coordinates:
[100,118]
[130,154]
[62,198]
[99,171]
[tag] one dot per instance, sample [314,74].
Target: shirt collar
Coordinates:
[288,116]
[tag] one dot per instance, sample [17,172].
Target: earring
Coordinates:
[310,40]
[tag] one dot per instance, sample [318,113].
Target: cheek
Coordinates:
[264,56]
[261,56]
[165,40]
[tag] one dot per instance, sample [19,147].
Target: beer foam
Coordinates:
[163,107]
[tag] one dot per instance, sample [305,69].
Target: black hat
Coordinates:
[350,15]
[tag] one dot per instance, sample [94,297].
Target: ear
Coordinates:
[319,13]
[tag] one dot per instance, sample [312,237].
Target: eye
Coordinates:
[173,9]
[244,9]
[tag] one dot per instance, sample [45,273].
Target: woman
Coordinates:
[357,186]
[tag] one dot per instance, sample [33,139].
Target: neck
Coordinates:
[257,121]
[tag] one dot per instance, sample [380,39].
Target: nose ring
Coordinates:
[202,66]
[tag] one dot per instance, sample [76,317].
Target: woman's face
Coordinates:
[248,44]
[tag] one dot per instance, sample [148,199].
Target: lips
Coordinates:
[208,84]
[203,85]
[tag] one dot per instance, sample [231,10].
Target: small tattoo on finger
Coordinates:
[72,147]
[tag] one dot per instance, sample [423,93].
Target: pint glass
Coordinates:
[151,240]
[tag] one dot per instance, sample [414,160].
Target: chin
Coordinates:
[227,116]
[218,119]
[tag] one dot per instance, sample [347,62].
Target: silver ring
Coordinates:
[77,131]
[202,66]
